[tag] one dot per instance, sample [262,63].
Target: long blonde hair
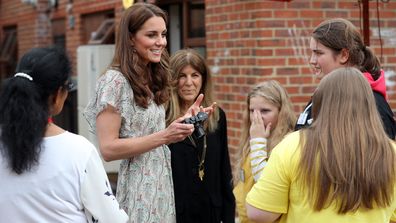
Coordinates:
[178,61]
[346,155]
[274,93]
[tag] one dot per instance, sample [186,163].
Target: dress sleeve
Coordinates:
[258,156]
[271,192]
[111,89]
[100,205]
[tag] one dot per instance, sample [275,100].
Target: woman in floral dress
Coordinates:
[128,116]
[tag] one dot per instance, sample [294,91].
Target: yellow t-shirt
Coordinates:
[258,155]
[244,185]
[277,191]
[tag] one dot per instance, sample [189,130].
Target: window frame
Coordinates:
[104,31]
[9,44]
[191,42]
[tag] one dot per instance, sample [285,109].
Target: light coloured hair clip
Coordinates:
[27,76]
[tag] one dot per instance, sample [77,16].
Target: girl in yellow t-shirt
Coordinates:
[340,169]
[268,118]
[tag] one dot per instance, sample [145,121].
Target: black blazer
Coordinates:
[210,200]
[387,117]
[384,110]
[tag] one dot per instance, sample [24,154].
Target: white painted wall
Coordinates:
[92,61]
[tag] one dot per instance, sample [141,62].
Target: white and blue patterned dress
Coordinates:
[145,187]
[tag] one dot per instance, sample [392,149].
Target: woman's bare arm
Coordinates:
[108,124]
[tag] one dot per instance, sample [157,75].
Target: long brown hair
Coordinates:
[338,34]
[178,61]
[147,81]
[346,155]
[274,93]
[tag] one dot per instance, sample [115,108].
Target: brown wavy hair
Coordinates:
[178,61]
[346,156]
[338,34]
[147,81]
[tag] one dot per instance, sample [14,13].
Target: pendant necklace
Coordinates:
[201,160]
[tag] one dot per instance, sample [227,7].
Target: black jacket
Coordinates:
[386,114]
[383,108]
[210,200]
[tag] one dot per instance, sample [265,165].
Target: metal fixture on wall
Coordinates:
[69,12]
[51,3]
[30,2]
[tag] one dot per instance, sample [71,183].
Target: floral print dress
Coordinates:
[145,187]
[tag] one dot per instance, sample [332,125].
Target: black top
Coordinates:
[210,200]
[386,114]
[387,117]
[305,118]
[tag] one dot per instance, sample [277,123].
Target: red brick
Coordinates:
[303,99]
[300,80]
[271,61]
[287,14]
[286,71]
[284,52]
[311,14]
[292,90]
[324,5]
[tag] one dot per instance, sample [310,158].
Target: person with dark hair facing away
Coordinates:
[48,174]
[201,167]
[337,43]
[127,113]
[331,171]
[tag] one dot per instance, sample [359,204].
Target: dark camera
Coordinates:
[197,121]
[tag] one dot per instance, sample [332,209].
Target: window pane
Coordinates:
[91,22]
[196,14]
[59,32]
[201,50]
[104,34]
[8,52]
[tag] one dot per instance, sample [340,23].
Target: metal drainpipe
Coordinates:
[366,22]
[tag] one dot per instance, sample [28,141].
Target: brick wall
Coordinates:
[34,29]
[22,15]
[252,41]
[74,35]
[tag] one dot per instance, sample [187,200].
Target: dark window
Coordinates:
[67,119]
[191,19]
[196,20]
[59,32]
[193,24]
[92,23]
[104,34]
[8,52]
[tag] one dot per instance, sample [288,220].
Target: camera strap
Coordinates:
[201,160]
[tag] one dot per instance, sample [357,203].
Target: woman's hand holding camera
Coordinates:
[178,131]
